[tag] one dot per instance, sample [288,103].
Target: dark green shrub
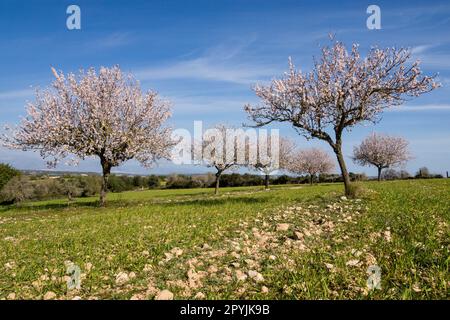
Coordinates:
[7,173]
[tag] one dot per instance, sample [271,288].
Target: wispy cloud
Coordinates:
[115,39]
[207,105]
[421,48]
[221,63]
[418,108]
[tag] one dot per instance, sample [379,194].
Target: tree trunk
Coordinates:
[343,167]
[106,172]
[310,179]
[379,173]
[266,182]
[216,190]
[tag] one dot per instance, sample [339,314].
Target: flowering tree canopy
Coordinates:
[381,151]
[312,162]
[102,114]
[341,91]
[268,165]
[215,151]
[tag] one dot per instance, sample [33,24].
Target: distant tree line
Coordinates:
[17,187]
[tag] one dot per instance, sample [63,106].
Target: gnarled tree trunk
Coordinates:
[379,173]
[343,167]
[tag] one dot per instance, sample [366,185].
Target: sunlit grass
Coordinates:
[404,225]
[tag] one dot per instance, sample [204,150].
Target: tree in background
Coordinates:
[381,151]
[341,91]
[423,173]
[102,114]
[216,153]
[271,165]
[312,162]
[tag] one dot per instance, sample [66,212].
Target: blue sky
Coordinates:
[205,56]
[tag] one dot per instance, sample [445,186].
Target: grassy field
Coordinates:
[297,242]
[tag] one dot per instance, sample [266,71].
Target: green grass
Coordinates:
[401,226]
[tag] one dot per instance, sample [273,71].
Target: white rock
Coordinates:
[282,226]
[352,263]
[200,295]
[164,295]
[88,266]
[256,276]
[298,235]
[264,289]
[122,278]
[50,295]
[240,275]
[11,296]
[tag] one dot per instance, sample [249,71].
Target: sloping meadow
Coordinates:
[294,242]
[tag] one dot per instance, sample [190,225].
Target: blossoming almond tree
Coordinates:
[312,162]
[381,151]
[268,165]
[214,152]
[341,91]
[102,114]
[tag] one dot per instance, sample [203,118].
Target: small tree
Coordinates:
[100,114]
[312,162]
[381,151]
[216,152]
[270,165]
[423,173]
[342,90]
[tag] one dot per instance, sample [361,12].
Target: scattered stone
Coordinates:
[164,295]
[387,236]
[50,295]
[256,276]
[200,295]
[122,278]
[282,226]
[138,296]
[416,288]
[344,198]
[177,252]
[241,276]
[212,269]
[264,289]
[88,266]
[329,266]
[76,298]
[298,235]
[11,296]
[352,263]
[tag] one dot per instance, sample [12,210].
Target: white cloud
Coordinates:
[426,107]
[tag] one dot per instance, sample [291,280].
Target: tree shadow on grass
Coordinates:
[122,203]
[215,201]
